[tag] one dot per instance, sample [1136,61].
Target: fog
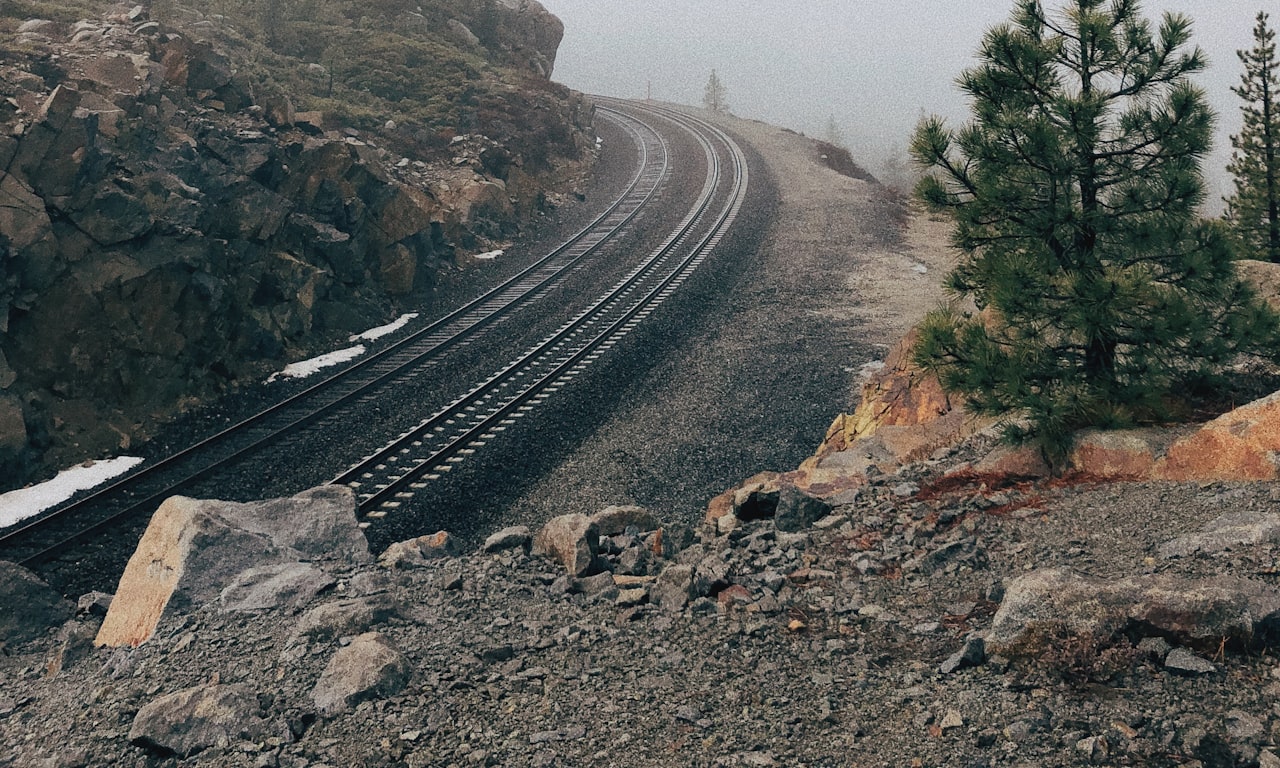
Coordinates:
[874,66]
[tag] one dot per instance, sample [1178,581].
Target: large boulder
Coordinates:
[204,717]
[194,552]
[31,607]
[1043,608]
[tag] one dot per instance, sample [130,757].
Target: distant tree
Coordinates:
[714,96]
[1074,192]
[1254,210]
[896,172]
[834,136]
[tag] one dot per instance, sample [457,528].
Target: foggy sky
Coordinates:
[875,66]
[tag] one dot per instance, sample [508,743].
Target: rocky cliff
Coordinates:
[186,202]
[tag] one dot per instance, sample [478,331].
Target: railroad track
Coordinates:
[40,538]
[388,478]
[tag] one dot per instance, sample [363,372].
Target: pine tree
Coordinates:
[715,97]
[1254,211]
[1074,191]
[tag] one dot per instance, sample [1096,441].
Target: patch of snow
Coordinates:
[922,269]
[867,370]
[490,256]
[305,368]
[384,330]
[16,506]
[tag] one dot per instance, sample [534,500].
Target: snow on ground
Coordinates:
[305,368]
[18,505]
[490,256]
[385,330]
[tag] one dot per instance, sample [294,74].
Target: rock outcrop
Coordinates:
[171,228]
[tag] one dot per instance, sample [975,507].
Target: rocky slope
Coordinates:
[179,215]
[912,621]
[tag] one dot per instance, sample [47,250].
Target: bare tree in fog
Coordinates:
[715,97]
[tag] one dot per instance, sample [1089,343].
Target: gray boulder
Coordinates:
[31,607]
[250,555]
[201,718]
[1043,606]
[344,618]
[369,668]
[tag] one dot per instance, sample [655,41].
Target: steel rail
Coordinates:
[400,468]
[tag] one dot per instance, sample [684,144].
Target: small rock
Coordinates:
[415,553]
[972,654]
[370,667]
[674,587]
[1156,648]
[515,537]
[497,653]
[629,598]
[598,584]
[1243,727]
[1185,662]
[94,603]
[1019,731]
[74,642]
[951,721]
[1094,748]
[571,540]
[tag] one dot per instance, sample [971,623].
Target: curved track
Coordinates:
[388,477]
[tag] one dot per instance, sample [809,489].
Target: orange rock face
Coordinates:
[1239,445]
[898,395]
[1124,455]
[904,416]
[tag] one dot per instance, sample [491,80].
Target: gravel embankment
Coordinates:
[749,374]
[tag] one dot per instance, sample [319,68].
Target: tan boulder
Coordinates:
[572,540]
[1239,445]
[193,550]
